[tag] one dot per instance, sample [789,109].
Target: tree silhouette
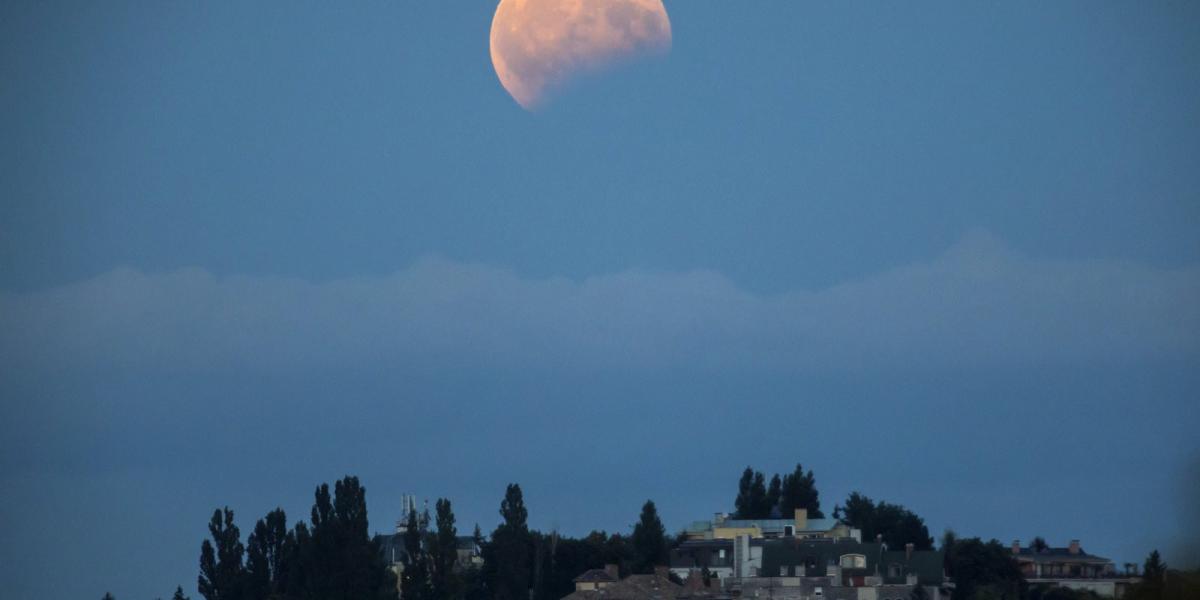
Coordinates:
[649,540]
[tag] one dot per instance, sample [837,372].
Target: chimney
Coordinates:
[801,519]
[1016,547]
[613,571]
[1074,548]
[908,550]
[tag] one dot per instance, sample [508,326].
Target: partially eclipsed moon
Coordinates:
[538,45]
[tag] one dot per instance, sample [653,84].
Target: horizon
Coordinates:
[945,255]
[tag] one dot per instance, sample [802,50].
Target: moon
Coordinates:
[538,46]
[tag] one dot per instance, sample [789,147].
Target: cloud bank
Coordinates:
[978,304]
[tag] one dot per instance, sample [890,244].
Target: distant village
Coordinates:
[776,543]
[804,557]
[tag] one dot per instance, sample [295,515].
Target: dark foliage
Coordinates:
[508,556]
[757,500]
[649,540]
[335,560]
[799,490]
[982,569]
[444,554]
[222,576]
[897,525]
[415,581]
[266,550]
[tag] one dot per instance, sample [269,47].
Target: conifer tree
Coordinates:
[742,505]
[179,594]
[799,490]
[649,540]
[758,498]
[774,492]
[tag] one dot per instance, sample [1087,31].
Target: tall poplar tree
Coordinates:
[265,556]
[445,554]
[414,581]
[508,556]
[222,576]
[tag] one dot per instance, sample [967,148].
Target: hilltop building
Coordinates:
[830,568]
[723,527]
[606,584]
[1071,567]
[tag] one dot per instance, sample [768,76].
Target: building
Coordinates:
[604,584]
[799,526]
[1071,567]
[812,569]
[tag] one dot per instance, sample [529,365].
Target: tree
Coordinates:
[179,594]
[1154,572]
[897,525]
[983,570]
[507,558]
[334,560]
[108,596]
[743,505]
[444,554]
[221,572]
[414,581]
[799,490]
[265,554]
[1038,544]
[774,491]
[758,498]
[345,562]
[649,540]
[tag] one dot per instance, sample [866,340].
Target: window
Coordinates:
[894,570]
[789,531]
[853,561]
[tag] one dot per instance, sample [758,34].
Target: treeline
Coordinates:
[756,499]
[892,523]
[520,563]
[333,558]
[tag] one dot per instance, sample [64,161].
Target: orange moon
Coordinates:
[538,46]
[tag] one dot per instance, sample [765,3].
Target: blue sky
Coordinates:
[946,255]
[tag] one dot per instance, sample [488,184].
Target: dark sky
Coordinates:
[945,254]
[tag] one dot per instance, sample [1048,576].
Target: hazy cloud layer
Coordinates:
[539,44]
[977,304]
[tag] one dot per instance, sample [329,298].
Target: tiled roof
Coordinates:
[594,575]
[926,564]
[1059,555]
[638,587]
[812,525]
